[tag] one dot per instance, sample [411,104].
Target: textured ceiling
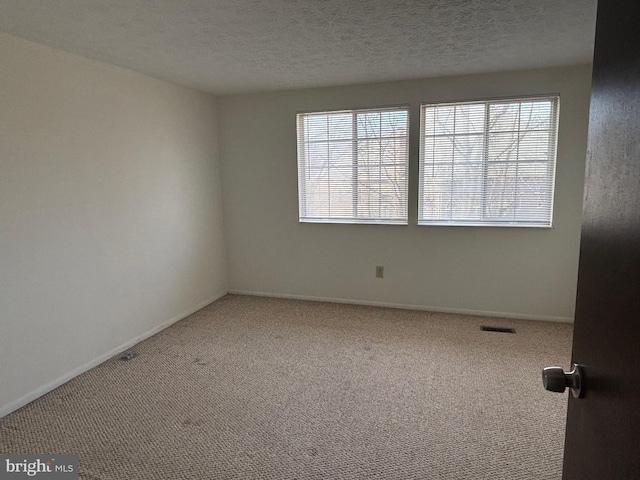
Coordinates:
[234,46]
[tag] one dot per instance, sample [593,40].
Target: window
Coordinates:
[353,166]
[488,162]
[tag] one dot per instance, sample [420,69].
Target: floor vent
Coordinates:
[128,356]
[485,328]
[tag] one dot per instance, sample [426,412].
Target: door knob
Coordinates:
[555,379]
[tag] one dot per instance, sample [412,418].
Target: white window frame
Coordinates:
[362,155]
[434,155]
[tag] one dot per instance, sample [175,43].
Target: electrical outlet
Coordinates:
[379,272]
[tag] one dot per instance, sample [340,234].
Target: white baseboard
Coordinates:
[38,392]
[463,311]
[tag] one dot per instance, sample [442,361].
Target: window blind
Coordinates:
[488,162]
[353,166]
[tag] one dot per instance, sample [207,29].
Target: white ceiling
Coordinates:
[236,46]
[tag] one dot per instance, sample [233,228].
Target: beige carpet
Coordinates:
[259,388]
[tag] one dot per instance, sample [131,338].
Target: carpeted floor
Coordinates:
[261,388]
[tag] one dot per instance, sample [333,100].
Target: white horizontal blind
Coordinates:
[353,166]
[488,162]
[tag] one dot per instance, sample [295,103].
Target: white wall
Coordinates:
[110,213]
[518,272]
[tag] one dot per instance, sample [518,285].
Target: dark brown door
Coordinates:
[603,428]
